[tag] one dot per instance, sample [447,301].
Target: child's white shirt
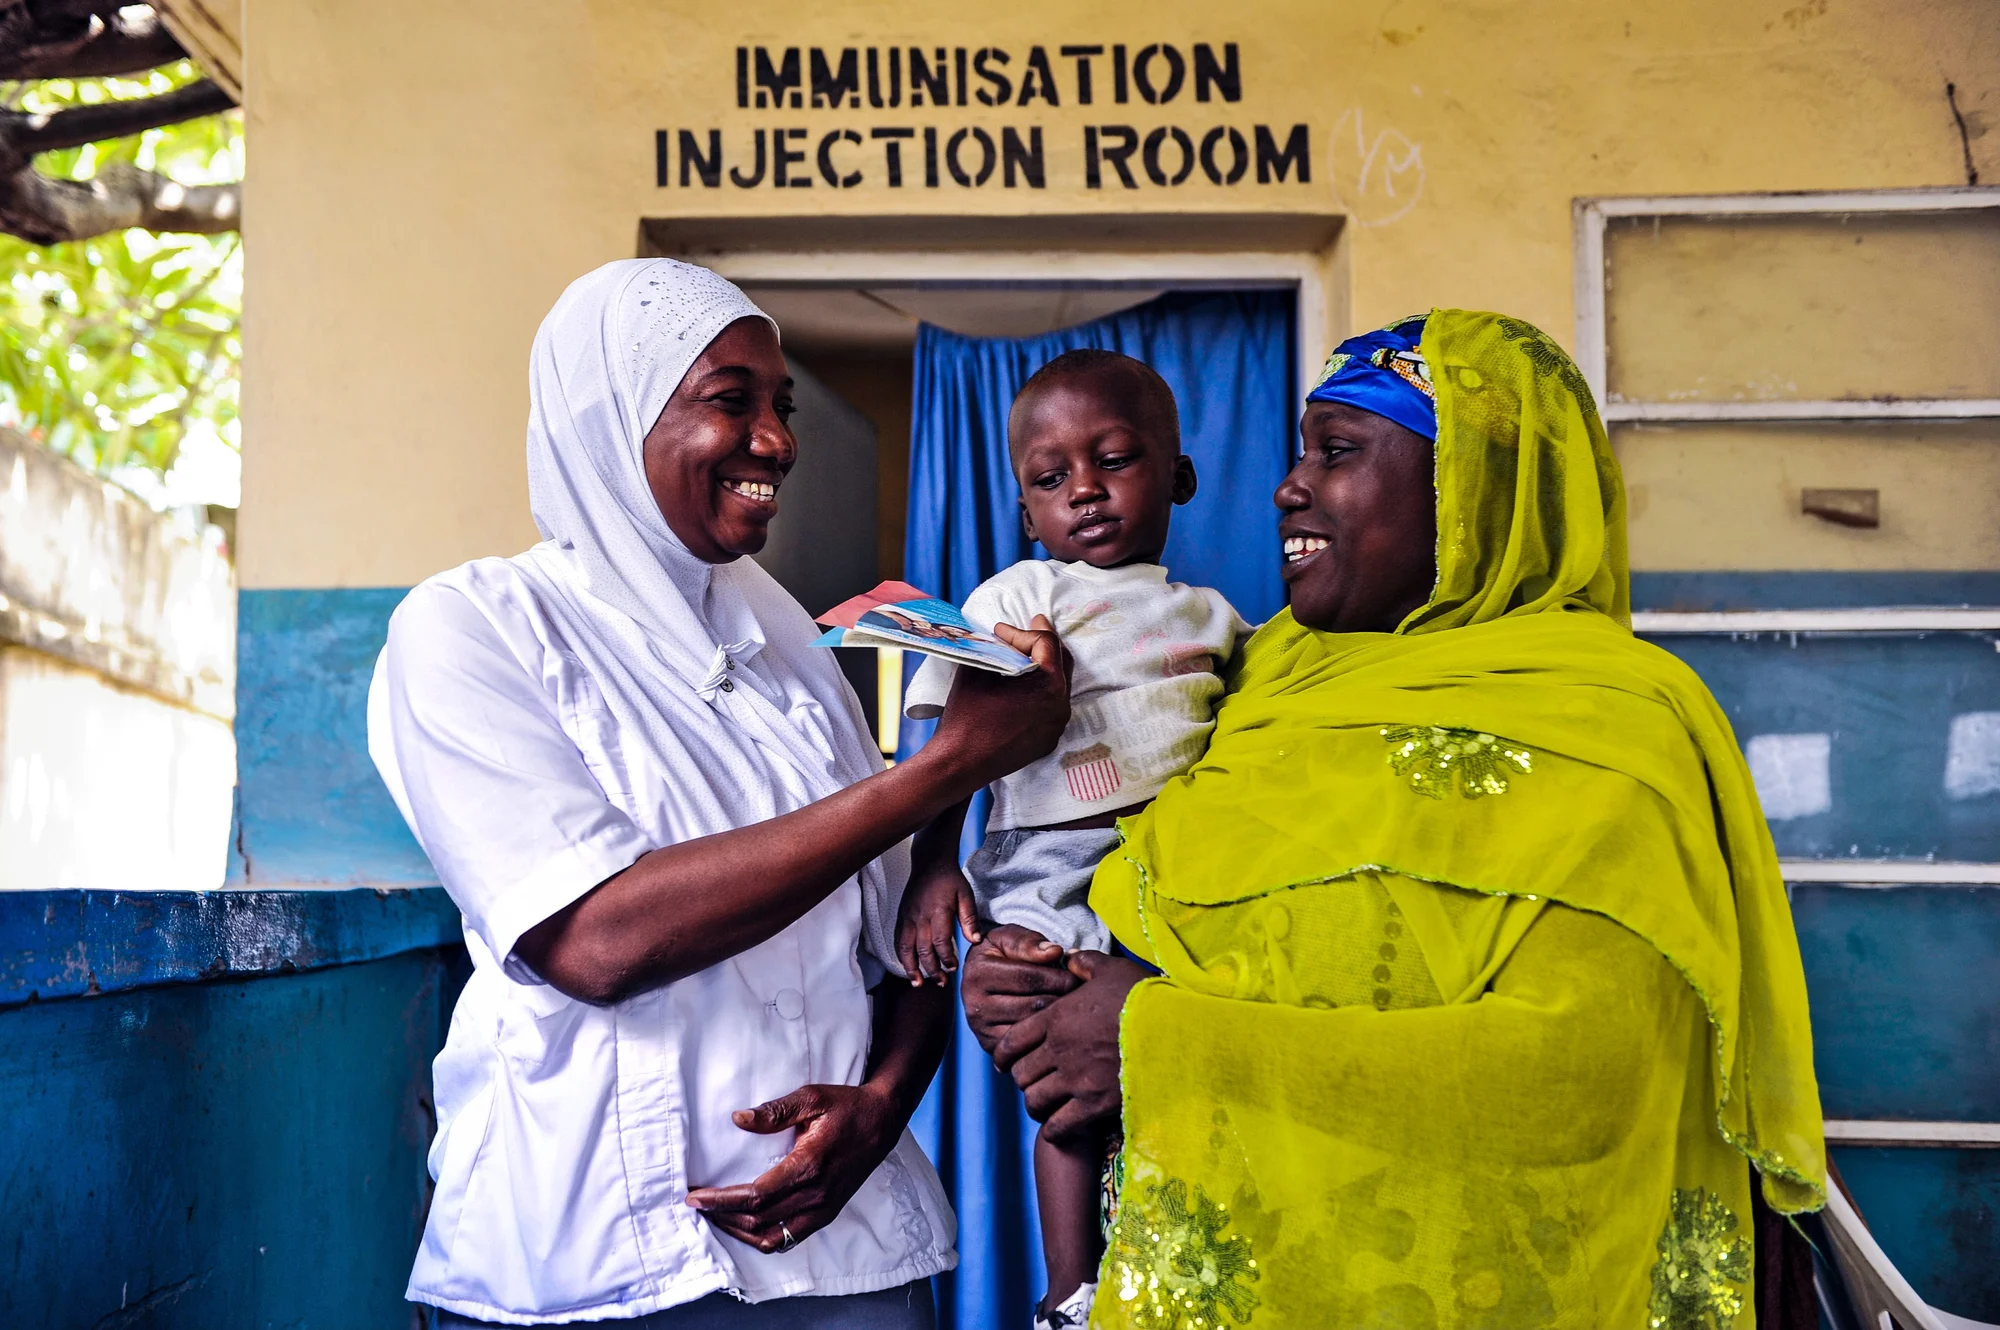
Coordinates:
[1147,658]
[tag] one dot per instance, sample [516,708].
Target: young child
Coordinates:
[1094,438]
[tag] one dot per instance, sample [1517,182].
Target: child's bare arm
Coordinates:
[937,898]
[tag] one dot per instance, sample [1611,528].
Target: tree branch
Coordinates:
[70,11]
[78,37]
[47,212]
[95,39]
[23,133]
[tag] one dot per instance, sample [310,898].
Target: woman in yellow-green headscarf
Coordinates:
[1478,1000]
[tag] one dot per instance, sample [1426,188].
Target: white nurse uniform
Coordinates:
[544,720]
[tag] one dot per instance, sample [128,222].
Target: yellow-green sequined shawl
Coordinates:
[1479,976]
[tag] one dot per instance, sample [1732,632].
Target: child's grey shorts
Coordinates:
[1041,880]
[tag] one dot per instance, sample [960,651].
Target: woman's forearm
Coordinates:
[937,844]
[912,1026]
[683,908]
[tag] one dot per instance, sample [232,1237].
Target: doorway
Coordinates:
[903,386]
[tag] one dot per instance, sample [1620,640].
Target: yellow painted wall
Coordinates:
[1824,306]
[424,179]
[1711,498]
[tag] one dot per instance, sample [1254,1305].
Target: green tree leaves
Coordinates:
[114,349]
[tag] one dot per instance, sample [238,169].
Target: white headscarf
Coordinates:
[633,599]
[606,360]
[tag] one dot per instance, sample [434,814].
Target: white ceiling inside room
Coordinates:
[885,318]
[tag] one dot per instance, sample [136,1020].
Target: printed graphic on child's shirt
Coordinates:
[1195,659]
[1096,618]
[1092,774]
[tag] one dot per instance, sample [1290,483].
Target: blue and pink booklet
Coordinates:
[896,614]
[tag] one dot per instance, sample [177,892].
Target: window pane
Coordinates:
[1728,496]
[1830,306]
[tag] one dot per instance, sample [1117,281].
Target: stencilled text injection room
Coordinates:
[914,154]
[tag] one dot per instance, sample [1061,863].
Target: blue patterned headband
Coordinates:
[1383,372]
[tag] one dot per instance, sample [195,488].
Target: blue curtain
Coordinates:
[1228,356]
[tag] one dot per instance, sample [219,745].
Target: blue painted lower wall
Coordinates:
[1810,590]
[233,1153]
[1905,988]
[1933,1212]
[56,944]
[1886,706]
[309,807]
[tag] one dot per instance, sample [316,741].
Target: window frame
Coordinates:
[1590,215]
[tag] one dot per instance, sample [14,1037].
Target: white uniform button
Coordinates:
[791,1003]
[728,686]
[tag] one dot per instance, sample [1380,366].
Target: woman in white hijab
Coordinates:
[669,1096]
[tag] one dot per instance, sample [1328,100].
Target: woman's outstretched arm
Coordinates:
[683,908]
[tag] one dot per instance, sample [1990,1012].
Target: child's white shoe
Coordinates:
[1073,1310]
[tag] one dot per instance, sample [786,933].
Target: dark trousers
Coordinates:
[906,1308]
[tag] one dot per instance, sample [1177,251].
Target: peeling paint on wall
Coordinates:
[1972,755]
[1793,774]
